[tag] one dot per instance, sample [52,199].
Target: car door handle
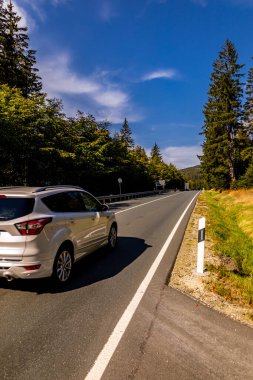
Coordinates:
[94,217]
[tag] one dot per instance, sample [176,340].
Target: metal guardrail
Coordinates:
[115,198]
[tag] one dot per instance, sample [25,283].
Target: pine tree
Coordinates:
[2,38]
[156,154]
[126,135]
[224,131]
[16,59]
[247,179]
[155,163]
[248,106]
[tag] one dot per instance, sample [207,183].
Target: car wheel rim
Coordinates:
[64,266]
[113,237]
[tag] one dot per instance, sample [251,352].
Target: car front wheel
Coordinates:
[112,238]
[63,266]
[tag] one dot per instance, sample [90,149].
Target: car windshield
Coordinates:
[12,208]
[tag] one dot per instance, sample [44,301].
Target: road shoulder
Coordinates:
[185,279]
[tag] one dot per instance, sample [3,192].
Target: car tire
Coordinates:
[112,237]
[63,265]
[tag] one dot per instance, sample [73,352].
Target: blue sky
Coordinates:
[147,60]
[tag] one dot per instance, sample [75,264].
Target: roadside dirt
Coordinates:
[185,278]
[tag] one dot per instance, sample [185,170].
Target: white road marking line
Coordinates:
[143,204]
[103,359]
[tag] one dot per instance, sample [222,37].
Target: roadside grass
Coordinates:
[230,225]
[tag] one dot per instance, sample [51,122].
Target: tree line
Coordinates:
[227,159]
[39,144]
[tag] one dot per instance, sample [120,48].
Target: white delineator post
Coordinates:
[201,245]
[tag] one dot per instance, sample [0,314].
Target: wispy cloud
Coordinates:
[202,3]
[182,156]
[160,74]
[247,3]
[59,79]
[30,10]
[107,11]
[241,3]
[110,98]
[58,2]
[25,19]
[106,99]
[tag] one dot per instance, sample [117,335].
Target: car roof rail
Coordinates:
[44,188]
[9,187]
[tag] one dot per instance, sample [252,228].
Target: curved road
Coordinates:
[47,333]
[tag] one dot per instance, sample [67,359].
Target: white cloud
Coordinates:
[110,98]
[116,116]
[106,100]
[165,74]
[59,79]
[182,156]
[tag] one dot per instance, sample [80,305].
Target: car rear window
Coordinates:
[12,208]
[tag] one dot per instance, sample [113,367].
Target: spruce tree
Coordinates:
[2,39]
[156,154]
[247,179]
[223,130]
[248,106]
[126,135]
[156,163]
[16,59]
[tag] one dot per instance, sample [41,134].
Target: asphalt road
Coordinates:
[47,333]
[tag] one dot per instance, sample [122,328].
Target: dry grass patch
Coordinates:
[241,196]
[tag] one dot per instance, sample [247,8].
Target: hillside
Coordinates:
[193,176]
[192,172]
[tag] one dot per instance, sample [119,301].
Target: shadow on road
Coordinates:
[98,266]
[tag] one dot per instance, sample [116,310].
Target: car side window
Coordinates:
[75,202]
[70,201]
[91,204]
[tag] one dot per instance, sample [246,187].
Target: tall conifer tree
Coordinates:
[126,135]
[247,179]
[248,106]
[16,59]
[223,128]
[156,154]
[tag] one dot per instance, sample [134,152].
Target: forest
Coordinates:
[40,145]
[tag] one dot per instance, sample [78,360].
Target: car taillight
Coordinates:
[32,227]
[2,196]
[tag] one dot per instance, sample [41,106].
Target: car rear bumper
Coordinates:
[24,270]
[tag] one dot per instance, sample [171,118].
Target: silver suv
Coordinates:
[43,231]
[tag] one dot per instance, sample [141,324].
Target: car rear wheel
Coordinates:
[63,265]
[112,238]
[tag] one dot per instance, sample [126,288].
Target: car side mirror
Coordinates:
[104,207]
